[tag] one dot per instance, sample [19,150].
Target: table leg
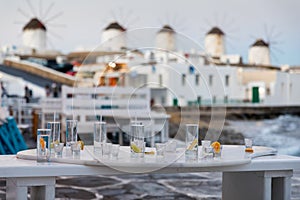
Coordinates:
[41,188]
[264,185]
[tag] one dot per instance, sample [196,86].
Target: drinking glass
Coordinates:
[191,141]
[58,149]
[71,132]
[106,149]
[115,151]
[248,145]
[160,149]
[55,133]
[205,145]
[99,136]
[137,143]
[43,145]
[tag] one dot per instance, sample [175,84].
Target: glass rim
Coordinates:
[43,129]
[53,122]
[192,125]
[71,120]
[99,122]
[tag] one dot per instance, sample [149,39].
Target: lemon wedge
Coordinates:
[193,144]
[135,148]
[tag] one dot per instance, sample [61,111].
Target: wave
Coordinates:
[282,133]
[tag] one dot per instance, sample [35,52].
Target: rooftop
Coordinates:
[115,25]
[34,23]
[215,30]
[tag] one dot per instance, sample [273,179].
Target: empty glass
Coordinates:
[75,147]
[115,151]
[58,149]
[205,144]
[43,145]
[171,146]
[191,141]
[160,149]
[71,132]
[106,150]
[99,136]
[55,133]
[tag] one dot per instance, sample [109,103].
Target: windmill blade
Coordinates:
[277,49]
[253,37]
[31,7]
[22,12]
[56,25]
[55,35]
[54,16]
[19,22]
[48,11]
[50,43]
[40,8]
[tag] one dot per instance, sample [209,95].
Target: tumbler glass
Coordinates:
[191,141]
[43,145]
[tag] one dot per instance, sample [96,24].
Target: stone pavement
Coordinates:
[204,186]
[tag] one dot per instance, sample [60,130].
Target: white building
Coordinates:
[34,35]
[113,37]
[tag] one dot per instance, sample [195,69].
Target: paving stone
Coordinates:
[135,176]
[2,182]
[67,192]
[178,176]
[87,181]
[122,197]
[166,197]
[197,187]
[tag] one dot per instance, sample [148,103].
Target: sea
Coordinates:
[281,133]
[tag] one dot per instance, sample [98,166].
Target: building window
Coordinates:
[197,79]
[183,79]
[227,80]
[210,80]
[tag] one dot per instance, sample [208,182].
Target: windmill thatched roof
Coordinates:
[34,23]
[115,25]
[215,30]
[167,28]
[260,43]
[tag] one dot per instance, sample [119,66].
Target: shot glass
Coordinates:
[55,133]
[137,143]
[191,141]
[58,149]
[115,151]
[248,145]
[99,136]
[160,149]
[205,144]
[171,146]
[217,153]
[106,151]
[71,132]
[43,145]
[75,148]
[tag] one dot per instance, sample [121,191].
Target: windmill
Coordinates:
[35,31]
[217,35]
[114,37]
[260,52]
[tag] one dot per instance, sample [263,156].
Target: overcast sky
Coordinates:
[81,22]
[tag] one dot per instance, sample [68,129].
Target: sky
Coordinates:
[79,23]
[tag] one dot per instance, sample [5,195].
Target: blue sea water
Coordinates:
[282,133]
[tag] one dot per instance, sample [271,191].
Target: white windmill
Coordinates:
[35,35]
[259,53]
[35,32]
[166,38]
[214,42]
[114,37]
